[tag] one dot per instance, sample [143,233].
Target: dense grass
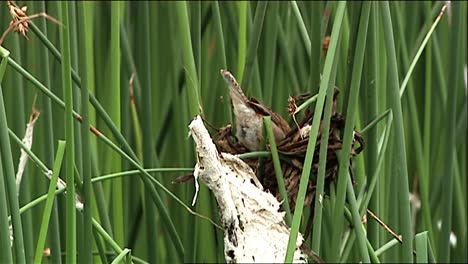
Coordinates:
[138,72]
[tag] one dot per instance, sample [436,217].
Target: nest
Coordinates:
[292,150]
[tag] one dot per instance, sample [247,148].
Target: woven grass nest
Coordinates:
[292,150]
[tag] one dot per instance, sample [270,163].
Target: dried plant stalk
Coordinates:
[27,140]
[254,229]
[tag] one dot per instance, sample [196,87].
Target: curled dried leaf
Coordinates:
[20,21]
[292,110]
[325,44]
[34,114]
[292,107]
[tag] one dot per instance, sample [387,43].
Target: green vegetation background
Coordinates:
[174,51]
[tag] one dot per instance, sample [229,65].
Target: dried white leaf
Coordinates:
[27,140]
[254,229]
[197,186]
[305,131]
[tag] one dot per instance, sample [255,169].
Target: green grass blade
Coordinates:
[147,179]
[195,105]
[386,247]
[49,143]
[84,61]
[98,107]
[420,50]
[372,255]
[398,164]
[286,54]
[242,40]
[255,34]
[4,54]
[277,165]
[49,202]
[5,242]
[132,159]
[133,172]
[455,73]
[430,254]
[370,188]
[319,189]
[283,44]
[107,238]
[371,94]
[349,133]
[31,155]
[324,86]
[39,200]
[69,138]
[219,33]
[269,47]
[125,254]
[114,110]
[302,27]
[375,121]
[421,241]
[422,168]
[9,176]
[316,44]
[97,179]
[218,24]
[356,220]
[147,120]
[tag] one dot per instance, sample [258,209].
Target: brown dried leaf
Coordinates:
[20,21]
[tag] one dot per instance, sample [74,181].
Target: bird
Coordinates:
[248,116]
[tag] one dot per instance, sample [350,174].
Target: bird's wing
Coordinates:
[265,110]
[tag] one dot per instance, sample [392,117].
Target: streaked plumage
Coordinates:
[249,116]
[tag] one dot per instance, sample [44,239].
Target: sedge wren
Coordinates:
[249,113]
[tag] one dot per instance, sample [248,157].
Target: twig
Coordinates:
[386,227]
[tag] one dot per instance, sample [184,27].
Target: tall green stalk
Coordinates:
[398,163]
[50,200]
[348,137]
[455,74]
[316,9]
[277,166]
[9,176]
[83,62]
[70,152]
[147,120]
[115,106]
[324,86]
[319,191]
[18,124]
[242,40]
[371,96]
[48,139]
[253,43]
[131,157]
[188,60]
[132,211]
[269,63]
[5,242]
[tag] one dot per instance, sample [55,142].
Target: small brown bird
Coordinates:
[249,115]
